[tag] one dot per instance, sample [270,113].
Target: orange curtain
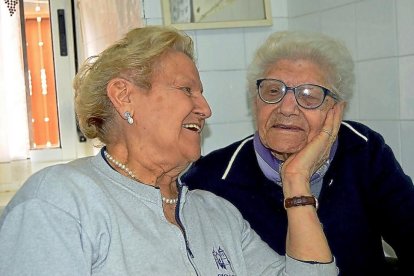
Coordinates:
[43,105]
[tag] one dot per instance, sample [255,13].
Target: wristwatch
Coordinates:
[301,201]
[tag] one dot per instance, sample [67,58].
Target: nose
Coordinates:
[288,105]
[202,107]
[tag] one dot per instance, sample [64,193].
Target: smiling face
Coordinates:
[285,127]
[172,113]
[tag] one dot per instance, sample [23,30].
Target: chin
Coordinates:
[286,148]
[193,156]
[287,144]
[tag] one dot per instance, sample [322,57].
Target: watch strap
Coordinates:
[301,201]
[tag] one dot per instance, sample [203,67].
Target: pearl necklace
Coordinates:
[132,175]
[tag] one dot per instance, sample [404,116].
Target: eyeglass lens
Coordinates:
[307,95]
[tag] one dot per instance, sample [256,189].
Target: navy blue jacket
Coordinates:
[365,196]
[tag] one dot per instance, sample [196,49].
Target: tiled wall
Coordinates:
[379,34]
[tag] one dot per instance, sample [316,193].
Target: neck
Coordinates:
[169,190]
[122,168]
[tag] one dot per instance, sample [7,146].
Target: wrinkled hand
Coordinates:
[305,162]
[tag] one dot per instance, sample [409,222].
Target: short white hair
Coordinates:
[330,54]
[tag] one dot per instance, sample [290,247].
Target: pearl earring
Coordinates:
[129,118]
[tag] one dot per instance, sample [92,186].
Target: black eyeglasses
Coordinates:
[309,96]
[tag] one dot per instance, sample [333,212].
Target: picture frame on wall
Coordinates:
[214,14]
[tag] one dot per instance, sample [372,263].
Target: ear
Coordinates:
[119,92]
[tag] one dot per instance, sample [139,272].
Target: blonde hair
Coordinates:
[133,58]
[330,54]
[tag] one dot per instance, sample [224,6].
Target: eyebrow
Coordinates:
[180,80]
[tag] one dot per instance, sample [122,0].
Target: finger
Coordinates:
[327,132]
[328,126]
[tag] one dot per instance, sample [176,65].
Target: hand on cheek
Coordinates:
[305,162]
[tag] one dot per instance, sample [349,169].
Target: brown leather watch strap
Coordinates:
[301,201]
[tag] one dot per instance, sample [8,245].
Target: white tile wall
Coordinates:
[226,92]
[405,21]
[309,22]
[329,4]
[220,135]
[406,85]
[343,29]
[301,7]
[378,87]
[279,8]
[376,29]
[221,49]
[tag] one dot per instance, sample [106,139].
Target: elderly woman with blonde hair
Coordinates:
[123,211]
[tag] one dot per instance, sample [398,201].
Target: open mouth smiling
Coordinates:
[193,127]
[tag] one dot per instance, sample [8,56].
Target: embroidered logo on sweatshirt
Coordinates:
[223,262]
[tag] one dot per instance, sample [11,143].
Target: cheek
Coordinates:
[263,113]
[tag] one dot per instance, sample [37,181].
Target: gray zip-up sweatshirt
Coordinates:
[84,218]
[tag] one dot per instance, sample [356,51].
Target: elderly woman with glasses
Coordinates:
[295,79]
